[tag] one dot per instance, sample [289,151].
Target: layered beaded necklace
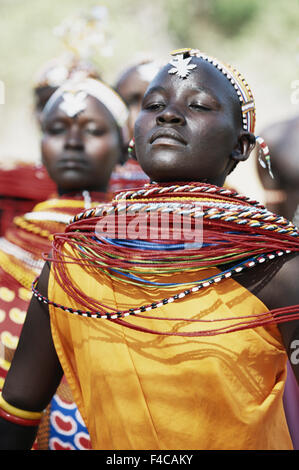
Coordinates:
[30,235]
[236,230]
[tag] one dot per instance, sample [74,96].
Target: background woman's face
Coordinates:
[132,88]
[188,128]
[80,153]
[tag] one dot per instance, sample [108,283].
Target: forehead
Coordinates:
[204,77]
[132,83]
[93,109]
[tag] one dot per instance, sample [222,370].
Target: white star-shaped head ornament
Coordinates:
[74,102]
[181,63]
[74,94]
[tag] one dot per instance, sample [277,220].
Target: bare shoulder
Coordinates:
[282,290]
[275,283]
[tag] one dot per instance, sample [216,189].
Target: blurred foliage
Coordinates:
[230,16]
[181,15]
[233,15]
[27,40]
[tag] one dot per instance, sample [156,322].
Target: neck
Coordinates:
[80,191]
[214,182]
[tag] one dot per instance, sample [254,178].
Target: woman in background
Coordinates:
[83,128]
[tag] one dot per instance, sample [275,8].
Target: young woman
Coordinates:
[82,139]
[164,338]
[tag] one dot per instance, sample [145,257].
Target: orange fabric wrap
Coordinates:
[145,391]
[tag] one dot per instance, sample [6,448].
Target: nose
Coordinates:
[74,138]
[170,115]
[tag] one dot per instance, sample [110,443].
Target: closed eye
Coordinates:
[95,130]
[199,107]
[154,106]
[56,130]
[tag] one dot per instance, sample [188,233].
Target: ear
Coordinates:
[124,137]
[244,147]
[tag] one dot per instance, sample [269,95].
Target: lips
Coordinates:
[71,162]
[167,136]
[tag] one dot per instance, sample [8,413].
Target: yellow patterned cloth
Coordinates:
[137,390]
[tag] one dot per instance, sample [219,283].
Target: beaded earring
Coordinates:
[131,148]
[264,152]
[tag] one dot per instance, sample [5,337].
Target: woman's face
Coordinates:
[188,128]
[80,152]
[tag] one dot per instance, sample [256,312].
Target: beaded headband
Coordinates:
[74,94]
[182,66]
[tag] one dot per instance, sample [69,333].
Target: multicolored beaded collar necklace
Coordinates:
[236,230]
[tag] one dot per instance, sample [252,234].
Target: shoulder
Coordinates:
[282,288]
[275,283]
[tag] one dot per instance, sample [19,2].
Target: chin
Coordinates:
[164,167]
[71,184]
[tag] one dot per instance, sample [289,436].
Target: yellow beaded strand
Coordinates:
[19,412]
